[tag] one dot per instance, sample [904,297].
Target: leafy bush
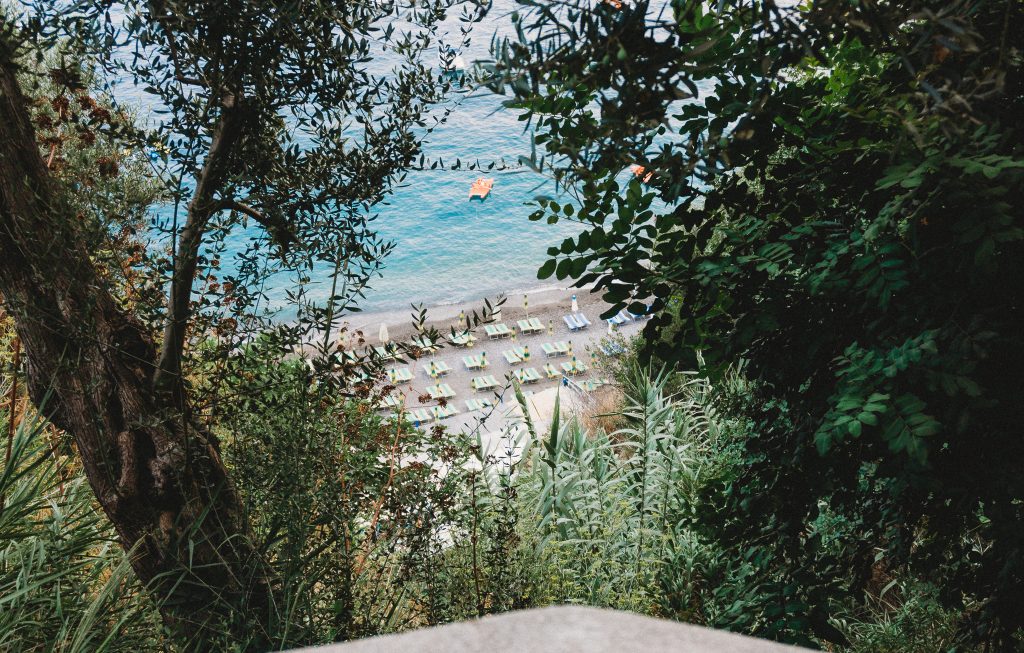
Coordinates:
[350,509]
[834,202]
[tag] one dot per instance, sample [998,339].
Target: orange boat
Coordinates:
[481,188]
[641,173]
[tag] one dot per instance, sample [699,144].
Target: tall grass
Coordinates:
[609,505]
[65,585]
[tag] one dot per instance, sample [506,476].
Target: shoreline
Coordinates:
[548,304]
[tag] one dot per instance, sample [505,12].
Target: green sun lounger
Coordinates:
[574,368]
[441,391]
[529,326]
[421,415]
[551,372]
[498,330]
[511,357]
[486,382]
[441,412]
[400,375]
[479,404]
[465,339]
[474,362]
[437,369]
[424,343]
[527,375]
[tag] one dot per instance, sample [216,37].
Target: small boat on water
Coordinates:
[641,173]
[449,60]
[481,188]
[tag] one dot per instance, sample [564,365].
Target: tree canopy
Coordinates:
[280,114]
[830,200]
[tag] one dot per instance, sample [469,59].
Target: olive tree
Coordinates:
[277,115]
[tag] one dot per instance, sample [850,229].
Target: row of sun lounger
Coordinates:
[425,415]
[419,416]
[575,322]
[435,370]
[522,354]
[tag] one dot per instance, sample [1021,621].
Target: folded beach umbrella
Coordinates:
[526,306]
[383,335]
[611,328]
[575,305]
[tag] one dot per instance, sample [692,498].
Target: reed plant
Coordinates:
[608,505]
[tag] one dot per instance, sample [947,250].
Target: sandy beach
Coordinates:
[549,306]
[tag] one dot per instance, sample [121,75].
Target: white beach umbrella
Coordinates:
[575,305]
[383,334]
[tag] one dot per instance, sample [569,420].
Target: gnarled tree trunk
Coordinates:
[156,473]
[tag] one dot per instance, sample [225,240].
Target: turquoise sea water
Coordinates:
[448,248]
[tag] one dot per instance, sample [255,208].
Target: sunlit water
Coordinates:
[448,248]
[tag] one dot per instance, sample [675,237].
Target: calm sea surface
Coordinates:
[448,249]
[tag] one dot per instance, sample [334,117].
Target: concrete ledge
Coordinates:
[563,629]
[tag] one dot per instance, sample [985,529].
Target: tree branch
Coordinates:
[276,226]
[200,210]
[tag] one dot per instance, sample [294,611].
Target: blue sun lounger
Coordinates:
[611,348]
[620,318]
[576,321]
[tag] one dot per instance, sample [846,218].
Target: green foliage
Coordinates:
[65,584]
[348,508]
[610,507]
[835,201]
